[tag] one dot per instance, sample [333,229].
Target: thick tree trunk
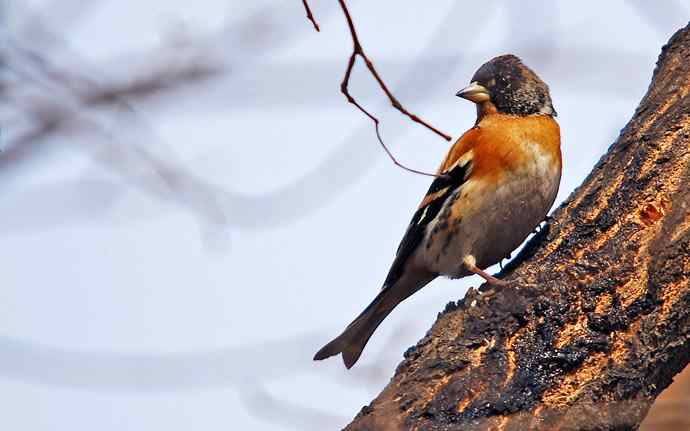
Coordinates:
[597,319]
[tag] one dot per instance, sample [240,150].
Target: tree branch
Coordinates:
[597,319]
[310,17]
[358,51]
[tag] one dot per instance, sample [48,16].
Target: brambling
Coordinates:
[494,187]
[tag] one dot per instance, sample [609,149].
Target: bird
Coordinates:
[495,185]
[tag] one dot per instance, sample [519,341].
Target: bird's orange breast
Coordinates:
[502,143]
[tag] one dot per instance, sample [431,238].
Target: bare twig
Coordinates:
[358,51]
[310,17]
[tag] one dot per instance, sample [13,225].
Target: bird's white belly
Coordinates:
[494,218]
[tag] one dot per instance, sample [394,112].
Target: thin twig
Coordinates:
[358,51]
[310,17]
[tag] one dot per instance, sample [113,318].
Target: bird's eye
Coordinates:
[491,82]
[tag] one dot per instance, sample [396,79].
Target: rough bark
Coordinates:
[596,321]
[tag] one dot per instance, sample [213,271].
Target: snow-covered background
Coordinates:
[175,264]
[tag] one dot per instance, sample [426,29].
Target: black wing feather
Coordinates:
[451,179]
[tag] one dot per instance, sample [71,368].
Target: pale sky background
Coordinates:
[122,308]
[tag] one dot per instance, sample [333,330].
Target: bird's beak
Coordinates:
[474,92]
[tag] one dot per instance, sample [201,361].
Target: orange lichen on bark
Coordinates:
[572,331]
[478,353]
[604,304]
[620,349]
[432,390]
[465,402]
[511,353]
[670,295]
[572,384]
[632,290]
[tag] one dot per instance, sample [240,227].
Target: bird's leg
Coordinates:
[488,277]
[471,265]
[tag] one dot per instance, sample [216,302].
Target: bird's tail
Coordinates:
[353,339]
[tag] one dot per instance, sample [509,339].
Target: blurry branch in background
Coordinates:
[47,101]
[52,100]
[51,92]
[358,51]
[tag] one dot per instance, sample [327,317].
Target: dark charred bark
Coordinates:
[597,319]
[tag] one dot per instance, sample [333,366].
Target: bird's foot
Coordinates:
[471,266]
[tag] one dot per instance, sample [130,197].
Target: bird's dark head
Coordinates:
[508,86]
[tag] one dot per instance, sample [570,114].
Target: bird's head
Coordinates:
[505,85]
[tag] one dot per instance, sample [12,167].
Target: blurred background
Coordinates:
[191,208]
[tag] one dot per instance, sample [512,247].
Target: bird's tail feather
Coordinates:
[353,339]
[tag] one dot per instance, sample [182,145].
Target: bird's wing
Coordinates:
[454,172]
